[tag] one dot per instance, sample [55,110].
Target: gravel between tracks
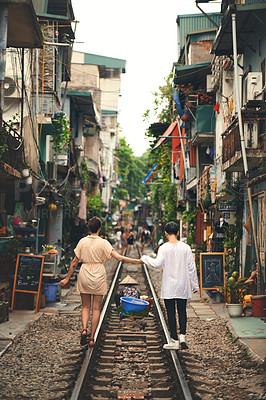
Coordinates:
[29,368]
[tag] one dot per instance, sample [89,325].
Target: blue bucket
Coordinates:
[50,290]
[133,304]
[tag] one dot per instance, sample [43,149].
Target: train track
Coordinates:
[128,361]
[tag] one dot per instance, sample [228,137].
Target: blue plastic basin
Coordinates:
[133,304]
[50,290]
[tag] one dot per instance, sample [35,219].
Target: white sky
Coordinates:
[142,32]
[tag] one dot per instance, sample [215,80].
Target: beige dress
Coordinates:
[92,251]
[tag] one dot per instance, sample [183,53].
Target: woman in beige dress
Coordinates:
[92,251]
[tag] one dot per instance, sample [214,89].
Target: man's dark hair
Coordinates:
[171,228]
[94,224]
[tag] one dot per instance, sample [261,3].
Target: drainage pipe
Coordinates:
[243,149]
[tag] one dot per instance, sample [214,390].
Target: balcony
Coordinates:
[11,145]
[254,134]
[203,128]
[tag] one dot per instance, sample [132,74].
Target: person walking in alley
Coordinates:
[92,251]
[130,242]
[179,274]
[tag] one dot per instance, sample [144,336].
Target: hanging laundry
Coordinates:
[83,206]
[217,108]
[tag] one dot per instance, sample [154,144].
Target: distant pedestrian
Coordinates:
[179,273]
[130,243]
[123,241]
[118,239]
[145,235]
[92,251]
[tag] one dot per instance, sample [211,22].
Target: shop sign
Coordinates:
[226,207]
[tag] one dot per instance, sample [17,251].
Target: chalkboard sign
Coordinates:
[212,272]
[28,276]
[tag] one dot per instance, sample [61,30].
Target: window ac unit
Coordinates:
[10,88]
[51,171]
[89,130]
[251,133]
[253,86]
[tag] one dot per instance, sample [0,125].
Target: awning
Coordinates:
[191,73]
[23,27]
[170,130]
[248,16]
[85,103]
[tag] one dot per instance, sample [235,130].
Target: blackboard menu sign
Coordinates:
[28,276]
[212,272]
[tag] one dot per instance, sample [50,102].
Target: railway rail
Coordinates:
[128,360]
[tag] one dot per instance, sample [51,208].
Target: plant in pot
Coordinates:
[234,292]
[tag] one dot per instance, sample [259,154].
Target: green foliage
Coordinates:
[94,206]
[190,218]
[234,291]
[131,171]
[3,143]
[164,195]
[234,232]
[61,132]
[85,173]
[4,136]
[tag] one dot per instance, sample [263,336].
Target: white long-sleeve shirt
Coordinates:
[179,270]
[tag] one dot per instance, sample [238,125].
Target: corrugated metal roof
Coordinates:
[196,37]
[195,22]
[40,6]
[108,62]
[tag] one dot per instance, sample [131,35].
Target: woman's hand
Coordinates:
[64,282]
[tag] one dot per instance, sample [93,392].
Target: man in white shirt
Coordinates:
[179,274]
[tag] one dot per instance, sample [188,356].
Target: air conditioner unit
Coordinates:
[89,130]
[51,171]
[10,88]
[251,133]
[253,86]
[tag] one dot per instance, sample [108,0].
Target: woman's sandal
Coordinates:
[91,342]
[83,337]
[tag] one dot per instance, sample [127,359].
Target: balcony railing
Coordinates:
[231,143]
[254,124]
[11,143]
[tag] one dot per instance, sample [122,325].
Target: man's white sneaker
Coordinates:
[172,345]
[183,342]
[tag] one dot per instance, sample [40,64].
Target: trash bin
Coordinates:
[50,290]
[258,305]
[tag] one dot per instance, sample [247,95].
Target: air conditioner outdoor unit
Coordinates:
[51,171]
[251,133]
[253,86]
[10,88]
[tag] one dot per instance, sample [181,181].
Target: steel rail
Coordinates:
[177,366]
[77,391]
[78,388]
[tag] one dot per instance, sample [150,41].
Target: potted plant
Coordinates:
[61,132]
[234,292]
